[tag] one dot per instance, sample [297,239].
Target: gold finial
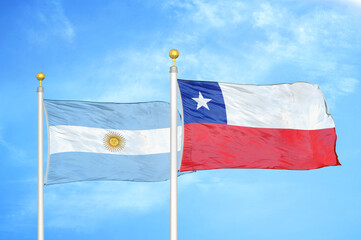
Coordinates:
[173,54]
[40,76]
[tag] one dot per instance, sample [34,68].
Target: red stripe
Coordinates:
[214,146]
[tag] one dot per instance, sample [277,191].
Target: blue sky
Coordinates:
[118,51]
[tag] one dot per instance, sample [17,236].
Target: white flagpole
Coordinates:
[40,76]
[173,148]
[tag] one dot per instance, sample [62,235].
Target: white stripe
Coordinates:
[65,138]
[287,106]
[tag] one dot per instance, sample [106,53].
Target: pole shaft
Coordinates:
[173,153]
[40,165]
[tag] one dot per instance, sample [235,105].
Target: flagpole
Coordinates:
[173,148]
[40,76]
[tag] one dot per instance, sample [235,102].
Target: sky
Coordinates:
[118,51]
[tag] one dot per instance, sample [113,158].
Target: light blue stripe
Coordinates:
[78,166]
[123,116]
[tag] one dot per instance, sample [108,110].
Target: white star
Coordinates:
[201,102]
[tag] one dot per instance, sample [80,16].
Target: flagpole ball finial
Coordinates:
[173,54]
[40,76]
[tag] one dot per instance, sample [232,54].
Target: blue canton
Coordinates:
[191,91]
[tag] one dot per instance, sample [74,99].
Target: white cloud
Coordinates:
[84,205]
[52,22]
[232,42]
[221,186]
[348,85]
[338,87]
[353,2]
[267,16]
[13,150]
[210,13]
[311,42]
[135,75]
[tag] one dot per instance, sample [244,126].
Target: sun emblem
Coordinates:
[114,141]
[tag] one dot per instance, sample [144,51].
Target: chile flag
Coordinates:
[281,126]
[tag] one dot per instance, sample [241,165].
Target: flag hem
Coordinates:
[48,139]
[182,119]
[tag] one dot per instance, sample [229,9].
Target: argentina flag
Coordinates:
[108,141]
